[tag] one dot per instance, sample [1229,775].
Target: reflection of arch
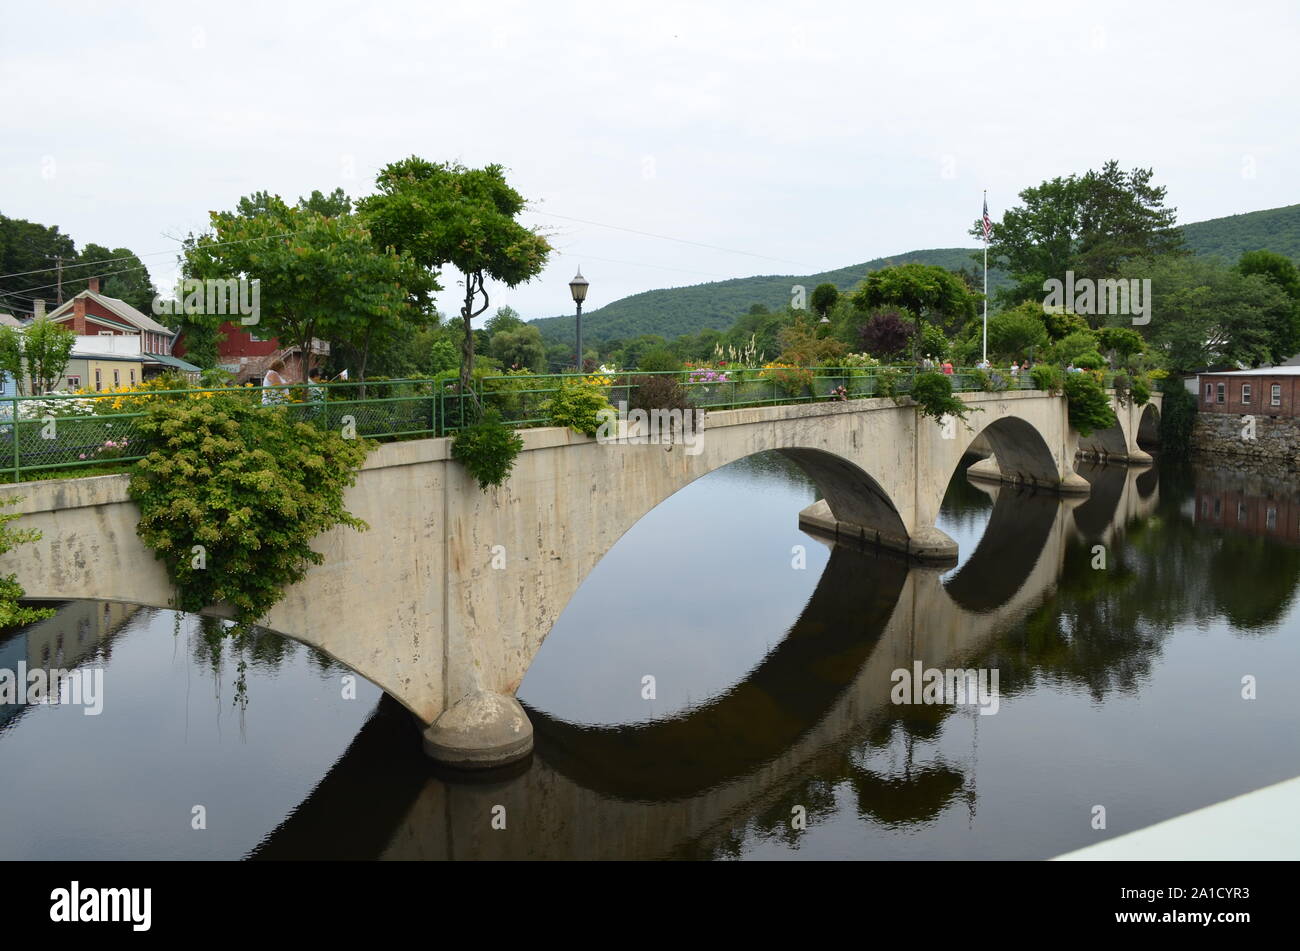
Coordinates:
[1097,514]
[754,721]
[1021,452]
[1017,530]
[1148,481]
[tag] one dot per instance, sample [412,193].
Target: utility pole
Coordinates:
[58,264]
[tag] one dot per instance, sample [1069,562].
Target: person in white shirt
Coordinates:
[275,378]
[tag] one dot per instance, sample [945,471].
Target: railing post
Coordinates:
[14,428]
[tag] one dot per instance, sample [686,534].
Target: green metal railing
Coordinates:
[58,432]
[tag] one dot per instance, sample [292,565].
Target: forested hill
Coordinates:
[1276,229]
[672,311]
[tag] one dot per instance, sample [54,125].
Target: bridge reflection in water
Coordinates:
[811,722]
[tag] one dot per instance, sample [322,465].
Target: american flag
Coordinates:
[988,223]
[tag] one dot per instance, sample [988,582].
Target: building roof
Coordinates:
[119,307]
[9,320]
[176,363]
[1261,371]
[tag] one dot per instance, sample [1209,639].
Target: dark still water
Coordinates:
[1120,631]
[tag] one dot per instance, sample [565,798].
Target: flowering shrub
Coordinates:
[791,380]
[111,449]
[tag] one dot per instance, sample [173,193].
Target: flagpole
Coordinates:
[986,279]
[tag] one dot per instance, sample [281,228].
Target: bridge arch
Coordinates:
[1022,454]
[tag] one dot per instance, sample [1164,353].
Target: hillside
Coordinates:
[672,311]
[1276,229]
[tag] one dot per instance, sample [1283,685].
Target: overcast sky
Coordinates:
[807,135]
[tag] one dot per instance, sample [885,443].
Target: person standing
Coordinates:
[272,393]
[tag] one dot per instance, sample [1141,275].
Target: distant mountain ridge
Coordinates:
[672,311]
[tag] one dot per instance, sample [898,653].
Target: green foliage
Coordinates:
[39,352]
[802,345]
[1090,360]
[659,359]
[1123,341]
[1177,416]
[449,214]
[248,485]
[1277,229]
[1068,349]
[487,449]
[11,613]
[934,344]
[1205,312]
[790,380]
[520,347]
[1089,403]
[930,294]
[824,297]
[932,393]
[326,277]
[1047,376]
[1089,224]
[577,405]
[1015,332]
[721,304]
[1061,323]
[992,381]
[1140,393]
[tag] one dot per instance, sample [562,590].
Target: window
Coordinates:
[1241,511]
[117,377]
[1219,391]
[1275,394]
[132,376]
[1218,508]
[1209,392]
[1245,393]
[1270,519]
[4,382]
[1205,508]
[99,383]
[74,382]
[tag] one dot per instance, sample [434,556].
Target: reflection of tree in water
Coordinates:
[1103,628]
[766,467]
[214,643]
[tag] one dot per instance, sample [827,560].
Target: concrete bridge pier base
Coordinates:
[480,731]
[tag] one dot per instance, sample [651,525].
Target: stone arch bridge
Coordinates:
[446,599]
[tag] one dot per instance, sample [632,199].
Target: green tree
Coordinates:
[449,214]
[506,318]
[334,205]
[1090,224]
[1014,333]
[11,613]
[824,297]
[28,250]
[1205,312]
[521,347]
[46,349]
[926,291]
[320,277]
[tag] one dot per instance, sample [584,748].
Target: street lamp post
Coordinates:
[579,288]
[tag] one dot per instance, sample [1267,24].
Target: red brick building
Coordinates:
[1269,391]
[91,314]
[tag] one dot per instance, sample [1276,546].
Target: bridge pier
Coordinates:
[480,731]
